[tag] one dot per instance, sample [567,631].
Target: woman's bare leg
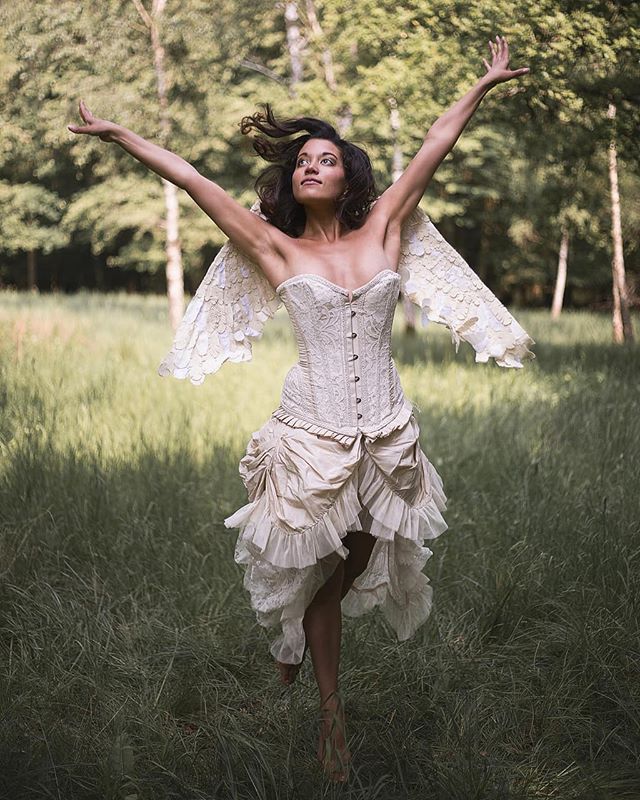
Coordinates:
[324,620]
[360,544]
[323,629]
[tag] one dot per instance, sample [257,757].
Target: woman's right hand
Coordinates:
[94,125]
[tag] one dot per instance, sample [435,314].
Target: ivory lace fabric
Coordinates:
[235,300]
[341,452]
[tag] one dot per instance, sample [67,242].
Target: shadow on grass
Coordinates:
[134,665]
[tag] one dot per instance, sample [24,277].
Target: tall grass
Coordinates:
[131,663]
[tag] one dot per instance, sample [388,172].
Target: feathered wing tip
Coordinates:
[435,277]
[230,307]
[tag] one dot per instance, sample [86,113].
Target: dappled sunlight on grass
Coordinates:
[127,636]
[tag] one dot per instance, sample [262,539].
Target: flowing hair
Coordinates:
[274,184]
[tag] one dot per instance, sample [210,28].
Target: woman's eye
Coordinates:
[328,160]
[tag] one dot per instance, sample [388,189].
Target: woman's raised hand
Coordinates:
[498,71]
[94,126]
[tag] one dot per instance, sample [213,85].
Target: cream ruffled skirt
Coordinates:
[306,492]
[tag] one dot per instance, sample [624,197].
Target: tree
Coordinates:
[29,223]
[622,328]
[561,277]
[175,280]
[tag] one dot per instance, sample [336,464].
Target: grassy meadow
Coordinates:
[131,664]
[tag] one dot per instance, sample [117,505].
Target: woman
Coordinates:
[341,495]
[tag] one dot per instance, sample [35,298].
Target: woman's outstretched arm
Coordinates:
[253,235]
[398,201]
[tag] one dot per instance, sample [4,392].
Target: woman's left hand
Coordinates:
[498,71]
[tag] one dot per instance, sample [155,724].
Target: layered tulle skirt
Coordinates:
[306,492]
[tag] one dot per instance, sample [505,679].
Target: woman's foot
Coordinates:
[289,672]
[333,752]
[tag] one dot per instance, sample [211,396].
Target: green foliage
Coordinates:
[532,159]
[30,218]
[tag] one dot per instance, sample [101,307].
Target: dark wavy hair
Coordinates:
[274,184]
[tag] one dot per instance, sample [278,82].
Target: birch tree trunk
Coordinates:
[294,45]
[344,120]
[325,52]
[394,123]
[174,272]
[344,115]
[397,164]
[622,328]
[561,276]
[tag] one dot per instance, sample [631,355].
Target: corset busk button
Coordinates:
[358,399]
[359,416]
[353,335]
[353,313]
[355,355]
[357,378]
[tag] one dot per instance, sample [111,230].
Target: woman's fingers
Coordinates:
[87,118]
[84,111]
[499,50]
[499,67]
[505,50]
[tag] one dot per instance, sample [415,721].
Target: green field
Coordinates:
[131,663]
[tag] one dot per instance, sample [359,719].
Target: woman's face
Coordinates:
[319,173]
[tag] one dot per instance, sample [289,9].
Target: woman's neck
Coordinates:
[322,225]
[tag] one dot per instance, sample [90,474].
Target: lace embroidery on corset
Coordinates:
[326,366]
[380,385]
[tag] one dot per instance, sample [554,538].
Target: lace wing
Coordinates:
[229,308]
[439,281]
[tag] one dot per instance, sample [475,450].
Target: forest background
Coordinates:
[131,663]
[530,172]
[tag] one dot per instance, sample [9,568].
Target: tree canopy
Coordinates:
[533,158]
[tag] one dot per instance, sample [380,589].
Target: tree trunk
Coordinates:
[616,320]
[174,272]
[318,35]
[397,164]
[344,120]
[622,328]
[98,273]
[32,284]
[394,122]
[344,115]
[294,45]
[561,277]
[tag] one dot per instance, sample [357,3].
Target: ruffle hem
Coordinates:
[307,491]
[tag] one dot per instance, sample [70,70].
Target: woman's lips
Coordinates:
[309,180]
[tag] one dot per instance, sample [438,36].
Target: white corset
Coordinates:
[235,299]
[345,381]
